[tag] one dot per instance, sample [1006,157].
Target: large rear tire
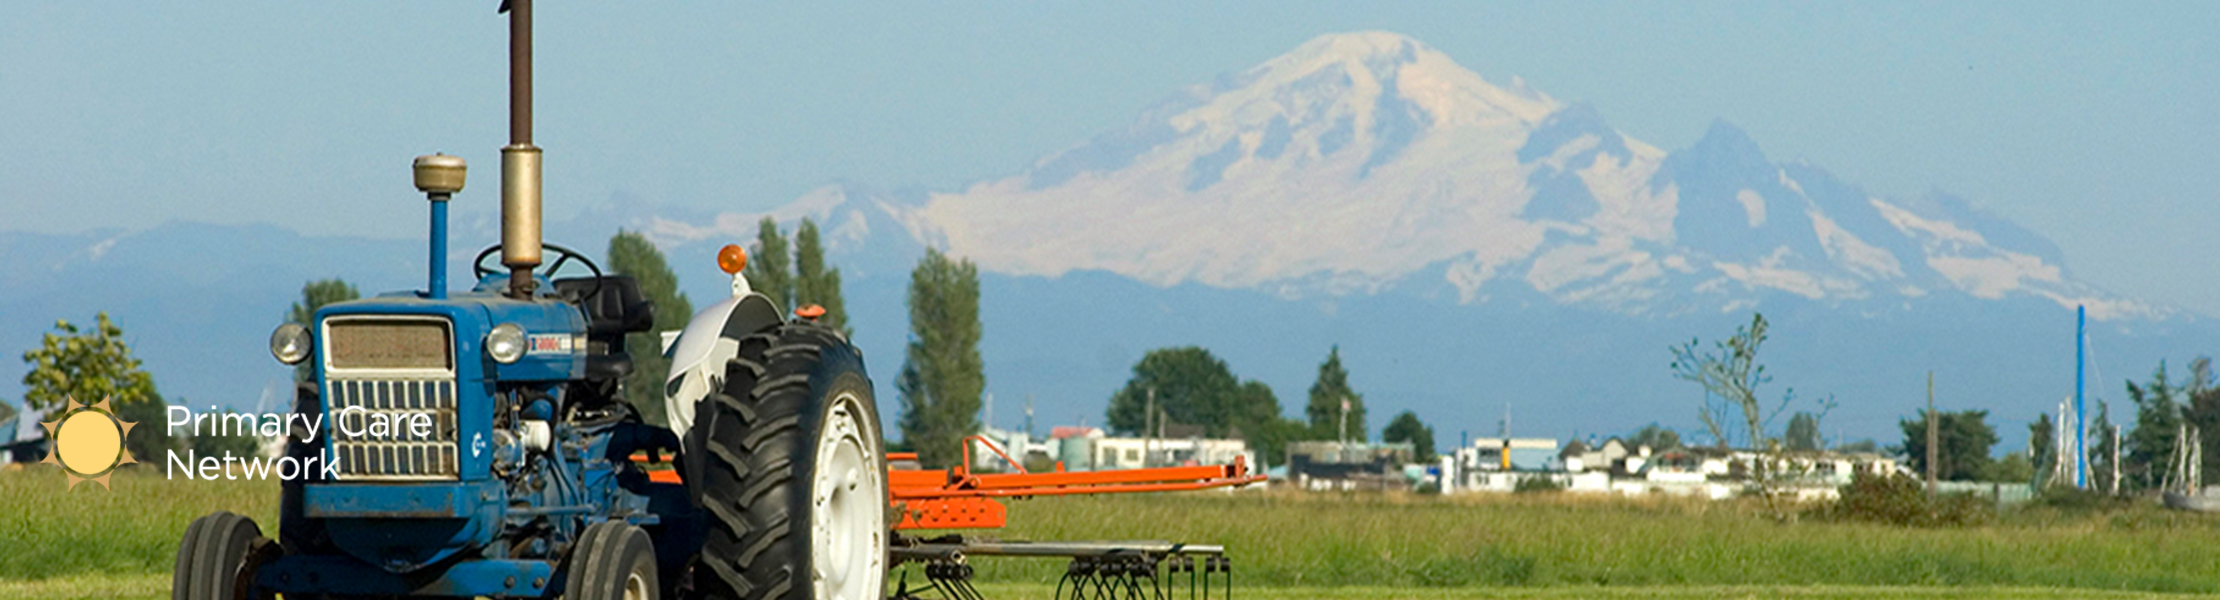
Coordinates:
[793,476]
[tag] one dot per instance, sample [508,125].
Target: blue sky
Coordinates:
[2093,124]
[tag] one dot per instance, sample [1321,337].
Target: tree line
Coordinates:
[1188,387]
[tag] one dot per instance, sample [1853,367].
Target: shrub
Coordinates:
[2076,501]
[1897,499]
[1537,484]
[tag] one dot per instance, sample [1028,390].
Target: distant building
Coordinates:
[1020,446]
[1507,454]
[1090,449]
[1614,466]
[1337,466]
[21,438]
[1135,453]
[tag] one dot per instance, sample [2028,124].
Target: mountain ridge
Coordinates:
[1466,245]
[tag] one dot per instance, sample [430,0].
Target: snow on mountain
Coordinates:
[1359,161]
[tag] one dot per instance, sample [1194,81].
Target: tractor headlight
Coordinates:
[505,343]
[290,343]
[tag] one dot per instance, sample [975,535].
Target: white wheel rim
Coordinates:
[848,508]
[635,587]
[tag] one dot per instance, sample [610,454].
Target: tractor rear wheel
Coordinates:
[217,559]
[612,561]
[794,473]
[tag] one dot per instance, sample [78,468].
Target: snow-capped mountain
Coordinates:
[1466,245]
[1364,160]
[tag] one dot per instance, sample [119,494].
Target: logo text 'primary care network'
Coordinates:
[88,441]
[354,422]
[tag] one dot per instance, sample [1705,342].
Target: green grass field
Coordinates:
[94,543]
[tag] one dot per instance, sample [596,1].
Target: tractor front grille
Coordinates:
[363,452]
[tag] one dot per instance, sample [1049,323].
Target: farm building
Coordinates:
[1090,449]
[1348,466]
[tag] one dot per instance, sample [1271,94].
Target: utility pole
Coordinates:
[1344,419]
[1148,426]
[1933,421]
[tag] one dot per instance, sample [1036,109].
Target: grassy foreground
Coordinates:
[156,587]
[120,543]
[1333,540]
[47,530]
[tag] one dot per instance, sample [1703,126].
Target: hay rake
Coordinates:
[960,498]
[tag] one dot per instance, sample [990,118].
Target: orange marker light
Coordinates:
[732,259]
[811,312]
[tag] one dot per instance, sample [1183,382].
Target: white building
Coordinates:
[1135,453]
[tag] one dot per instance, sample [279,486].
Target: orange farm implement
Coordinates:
[963,498]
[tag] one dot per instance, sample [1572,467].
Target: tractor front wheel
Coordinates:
[612,561]
[217,559]
[793,476]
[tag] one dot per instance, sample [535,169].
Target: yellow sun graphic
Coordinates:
[88,442]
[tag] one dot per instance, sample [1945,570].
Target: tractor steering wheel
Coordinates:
[563,256]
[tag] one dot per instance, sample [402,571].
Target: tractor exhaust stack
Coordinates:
[520,160]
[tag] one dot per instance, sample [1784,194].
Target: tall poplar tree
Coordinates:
[1326,396]
[816,282]
[768,267]
[942,374]
[632,254]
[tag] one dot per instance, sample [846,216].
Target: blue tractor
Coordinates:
[477,443]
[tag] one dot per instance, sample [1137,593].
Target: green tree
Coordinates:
[91,366]
[150,439]
[632,254]
[1326,397]
[1963,441]
[1657,437]
[768,270]
[2101,446]
[315,295]
[1803,432]
[1270,436]
[1865,446]
[2014,467]
[1187,385]
[1406,427]
[942,375]
[87,365]
[816,282]
[2203,411]
[2042,446]
[2151,444]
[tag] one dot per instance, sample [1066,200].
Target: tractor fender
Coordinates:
[699,355]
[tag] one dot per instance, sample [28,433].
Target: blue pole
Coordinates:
[438,287]
[2081,423]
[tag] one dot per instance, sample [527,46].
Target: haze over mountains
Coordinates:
[1468,244]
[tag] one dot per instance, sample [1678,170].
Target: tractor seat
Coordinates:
[616,309]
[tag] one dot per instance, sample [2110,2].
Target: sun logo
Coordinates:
[88,442]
